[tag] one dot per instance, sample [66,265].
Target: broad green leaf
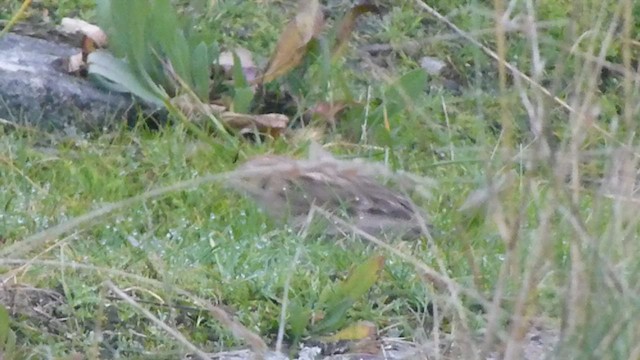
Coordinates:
[7,336]
[239,80]
[325,295]
[401,94]
[346,293]
[147,34]
[335,317]
[243,94]
[340,83]
[131,15]
[10,345]
[360,280]
[103,14]
[180,57]
[319,53]
[103,64]
[242,100]
[163,24]
[299,318]
[397,97]
[4,326]
[200,70]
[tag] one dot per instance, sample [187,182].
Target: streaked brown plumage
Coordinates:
[288,188]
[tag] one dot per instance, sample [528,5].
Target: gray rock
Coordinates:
[431,65]
[35,91]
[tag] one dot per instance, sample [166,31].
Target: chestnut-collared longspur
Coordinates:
[288,189]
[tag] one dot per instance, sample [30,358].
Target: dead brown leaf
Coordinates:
[74,64]
[348,24]
[88,46]
[271,124]
[95,33]
[327,111]
[92,38]
[292,45]
[190,108]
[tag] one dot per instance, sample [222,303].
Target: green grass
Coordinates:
[554,251]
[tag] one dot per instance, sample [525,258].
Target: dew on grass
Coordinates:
[133,241]
[261,243]
[243,216]
[175,234]
[102,241]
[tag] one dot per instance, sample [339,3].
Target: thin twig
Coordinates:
[516,72]
[419,44]
[31,242]
[285,302]
[492,54]
[257,345]
[16,17]
[171,331]
[453,286]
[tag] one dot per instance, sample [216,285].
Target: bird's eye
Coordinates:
[290,184]
[264,183]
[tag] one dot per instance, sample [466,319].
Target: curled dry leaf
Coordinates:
[93,32]
[327,111]
[92,38]
[77,64]
[191,108]
[292,45]
[272,124]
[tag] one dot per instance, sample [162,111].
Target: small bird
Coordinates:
[288,189]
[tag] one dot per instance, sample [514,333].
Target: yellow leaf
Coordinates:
[358,331]
[361,278]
